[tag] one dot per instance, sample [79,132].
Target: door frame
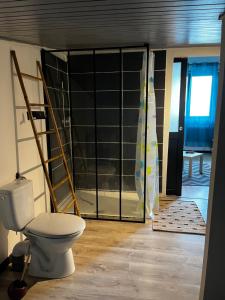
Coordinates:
[178,136]
[171,53]
[212,281]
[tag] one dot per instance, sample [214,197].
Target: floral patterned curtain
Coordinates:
[152,172]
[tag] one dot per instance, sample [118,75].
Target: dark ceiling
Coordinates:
[84,23]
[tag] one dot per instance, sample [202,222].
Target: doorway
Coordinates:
[192,117]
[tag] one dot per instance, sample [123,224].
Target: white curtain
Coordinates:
[152,169]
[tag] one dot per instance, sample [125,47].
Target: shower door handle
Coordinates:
[181,128]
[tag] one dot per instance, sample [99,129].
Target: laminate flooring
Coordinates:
[124,261]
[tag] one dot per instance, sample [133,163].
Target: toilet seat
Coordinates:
[55,225]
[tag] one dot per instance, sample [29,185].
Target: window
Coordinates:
[200,96]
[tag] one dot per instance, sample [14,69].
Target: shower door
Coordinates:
[55,68]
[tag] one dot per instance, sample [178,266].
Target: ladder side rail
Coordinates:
[13,54]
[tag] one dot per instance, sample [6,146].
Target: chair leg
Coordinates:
[201,165]
[190,167]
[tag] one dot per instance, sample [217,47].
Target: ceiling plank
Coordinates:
[56,23]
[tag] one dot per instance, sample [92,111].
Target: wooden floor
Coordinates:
[125,261]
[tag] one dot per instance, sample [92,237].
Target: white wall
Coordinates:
[16,154]
[171,54]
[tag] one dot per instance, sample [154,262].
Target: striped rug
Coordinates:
[196,178]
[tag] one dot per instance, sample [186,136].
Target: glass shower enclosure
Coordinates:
[96,96]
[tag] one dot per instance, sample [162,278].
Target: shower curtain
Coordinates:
[152,169]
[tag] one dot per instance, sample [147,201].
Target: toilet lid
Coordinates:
[56,225]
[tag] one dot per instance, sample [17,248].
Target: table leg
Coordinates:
[201,165]
[190,167]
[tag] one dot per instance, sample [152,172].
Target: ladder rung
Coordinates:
[60,183]
[68,205]
[46,132]
[53,158]
[39,104]
[31,76]
[36,115]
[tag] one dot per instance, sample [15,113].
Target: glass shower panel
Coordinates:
[133,80]
[55,68]
[83,129]
[99,101]
[107,67]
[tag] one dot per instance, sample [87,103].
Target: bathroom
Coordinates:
[116,153]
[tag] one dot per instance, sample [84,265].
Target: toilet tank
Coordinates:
[16,204]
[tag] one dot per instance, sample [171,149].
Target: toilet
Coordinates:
[50,235]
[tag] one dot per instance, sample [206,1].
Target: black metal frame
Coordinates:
[183,86]
[100,48]
[96,132]
[121,128]
[47,126]
[69,85]
[177,138]
[120,49]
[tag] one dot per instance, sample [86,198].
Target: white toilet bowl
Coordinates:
[51,236]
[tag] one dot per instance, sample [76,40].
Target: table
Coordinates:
[190,156]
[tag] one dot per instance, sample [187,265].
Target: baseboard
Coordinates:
[4,264]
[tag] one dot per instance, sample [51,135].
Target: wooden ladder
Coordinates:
[55,130]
